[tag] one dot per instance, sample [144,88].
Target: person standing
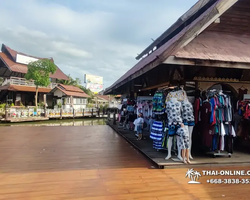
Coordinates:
[140,122]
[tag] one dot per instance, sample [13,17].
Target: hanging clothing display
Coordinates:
[216,118]
[206,127]
[159,103]
[183,137]
[173,110]
[157,134]
[242,118]
[188,113]
[180,95]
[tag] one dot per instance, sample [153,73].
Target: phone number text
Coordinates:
[228,181]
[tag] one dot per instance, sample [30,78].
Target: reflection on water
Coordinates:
[63,122]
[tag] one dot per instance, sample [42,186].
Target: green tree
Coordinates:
[39,71]
[1,80]
[71,81]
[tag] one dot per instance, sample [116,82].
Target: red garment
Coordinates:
[196,110]
[247,112]
[241,93]
[207,129]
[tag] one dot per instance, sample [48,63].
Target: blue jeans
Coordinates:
[139,129]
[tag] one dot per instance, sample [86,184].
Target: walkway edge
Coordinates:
[136,147]
[160,166]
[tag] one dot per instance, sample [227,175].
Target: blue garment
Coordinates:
[156,131]
[157,145]
[157,134]
[214,145]
[189,123]
[213,103]
[139,128]
[172,129]
[130,108]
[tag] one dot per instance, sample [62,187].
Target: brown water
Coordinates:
[63,122]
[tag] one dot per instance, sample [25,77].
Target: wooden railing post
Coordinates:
[92,112]
[60,113]
[114,118]
[6,112]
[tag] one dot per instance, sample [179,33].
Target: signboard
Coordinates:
[93,79]
[96,88]
[94,83]
[24,59]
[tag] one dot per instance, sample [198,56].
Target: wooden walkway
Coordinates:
[93,163]
[158,157]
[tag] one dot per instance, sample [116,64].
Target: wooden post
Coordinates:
[45,103]
[92,112]
[98,112]
[73,113]
[108,115]
[60,113]
[83,112]
[114,118]
[6,112]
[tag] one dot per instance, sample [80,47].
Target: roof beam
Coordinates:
[172,60]
[180,22]
[222,7]
[182,39]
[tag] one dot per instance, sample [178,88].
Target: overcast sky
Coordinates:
[99,37]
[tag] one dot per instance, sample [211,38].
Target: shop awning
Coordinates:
[156,86]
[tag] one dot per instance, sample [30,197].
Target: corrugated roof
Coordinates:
[105,97]
[14,53]
[157,53]
[70,90]
[183,21]
[75,94]
[218,47]
[21,88]
[21,68]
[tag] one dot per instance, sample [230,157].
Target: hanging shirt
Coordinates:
[174,109]
[196,110]
[213,110]
[187,112]
[247,112]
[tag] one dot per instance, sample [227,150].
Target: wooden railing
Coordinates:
[53,113]
[23,82]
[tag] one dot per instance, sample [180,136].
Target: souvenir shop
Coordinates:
[242,118]
[130,109]
[207,116]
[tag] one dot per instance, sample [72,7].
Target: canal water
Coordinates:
[63,122]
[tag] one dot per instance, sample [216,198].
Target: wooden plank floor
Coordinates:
[92,163]
[158,157]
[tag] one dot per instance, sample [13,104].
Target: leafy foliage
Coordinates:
[77,82]
[39,71]
[1,80]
